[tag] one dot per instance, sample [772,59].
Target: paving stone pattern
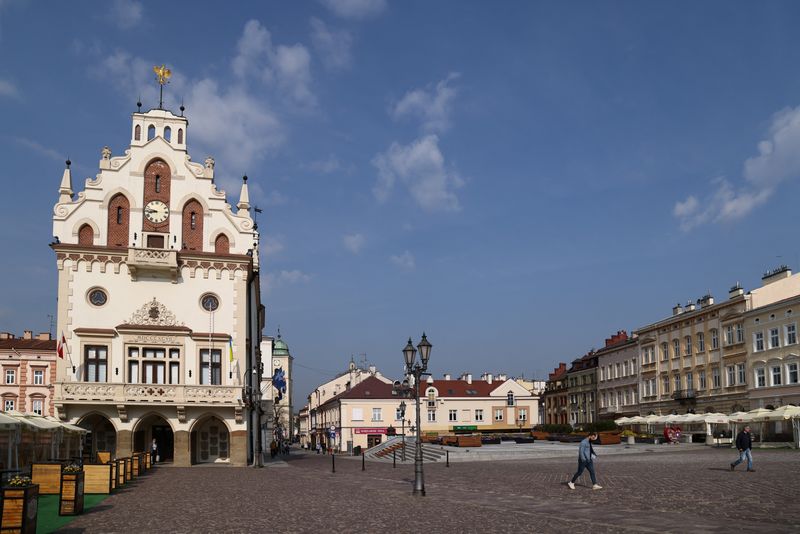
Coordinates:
[688,490]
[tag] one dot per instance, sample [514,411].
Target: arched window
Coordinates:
[86,235]
[193,225]
[180,136]
[222,245]
[137,133]
[168,133]
[151,132]
[118,221]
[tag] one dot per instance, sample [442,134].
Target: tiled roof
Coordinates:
[369,388]
[460,388]
[28,344]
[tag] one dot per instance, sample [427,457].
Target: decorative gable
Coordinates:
[154,313]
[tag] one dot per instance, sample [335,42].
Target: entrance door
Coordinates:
[163,437]
[373,439]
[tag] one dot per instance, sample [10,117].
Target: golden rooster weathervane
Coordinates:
[162,75]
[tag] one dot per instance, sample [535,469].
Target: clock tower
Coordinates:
[159,302]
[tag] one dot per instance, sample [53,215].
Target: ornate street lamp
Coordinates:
[403,425]
[415,369]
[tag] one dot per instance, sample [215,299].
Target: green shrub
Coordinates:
[600,426]
[554,429]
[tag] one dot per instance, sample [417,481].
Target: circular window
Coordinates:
[209,302]
[98,297]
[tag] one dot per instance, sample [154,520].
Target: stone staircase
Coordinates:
[394,446]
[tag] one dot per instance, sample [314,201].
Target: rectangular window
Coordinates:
[398,414]
[211,367]
[714,339]
[633,366]
[452,415]
[479,415]
[731,371]
[38,377]
[38,406]
[431,416]
[689,380]
[761,379]
[701,342]
[174,372]
[688,345]
[8,405]
[729,335]
[791,372]
[358,414]
[376,414]
[773,338]
[522,415]
[625,368]
[133,372]
[791,334]
[716,382]
[701,378]
[498,414]
[665,383]
[619,398]
[665,351]
[739,333]
[616,370]
[677,380]
[153,373]
[96,363]
[627,398]
[776,375]
[676,348]
[10,376]
[759,341]
[740,373]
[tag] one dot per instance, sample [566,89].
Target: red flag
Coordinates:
[61,343]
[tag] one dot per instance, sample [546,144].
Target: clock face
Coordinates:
[156,211]
[276,363]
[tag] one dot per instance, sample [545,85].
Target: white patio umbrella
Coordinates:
[622,421]
[11,426]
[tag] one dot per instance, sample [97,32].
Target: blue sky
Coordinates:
[518,179]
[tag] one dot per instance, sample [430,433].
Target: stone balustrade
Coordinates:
[183,394]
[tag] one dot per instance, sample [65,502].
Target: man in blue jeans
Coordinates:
[744,442]
[586,458]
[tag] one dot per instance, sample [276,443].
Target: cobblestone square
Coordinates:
[685,490]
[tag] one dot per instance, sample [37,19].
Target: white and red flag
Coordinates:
[61,343]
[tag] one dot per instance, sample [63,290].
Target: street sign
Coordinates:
[466,427]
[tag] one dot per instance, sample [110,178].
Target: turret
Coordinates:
[65,190]
[244,199]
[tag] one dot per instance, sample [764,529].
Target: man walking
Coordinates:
[744,442]
[586,458]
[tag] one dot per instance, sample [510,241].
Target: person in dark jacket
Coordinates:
[586,458]
[744,443]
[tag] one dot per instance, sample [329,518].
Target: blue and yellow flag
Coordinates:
[230,348]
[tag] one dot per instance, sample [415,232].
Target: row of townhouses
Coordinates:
[358,408]
[707,356]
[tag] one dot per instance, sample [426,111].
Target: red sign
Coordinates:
[370,430]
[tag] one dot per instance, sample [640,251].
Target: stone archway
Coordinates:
[102,436]
[210,441]
[150,427]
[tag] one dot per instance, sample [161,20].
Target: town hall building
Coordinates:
[158,302]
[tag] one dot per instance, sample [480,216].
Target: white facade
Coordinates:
[158,299]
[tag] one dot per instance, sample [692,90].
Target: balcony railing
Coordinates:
[153,260]
[104,392]
[684,394]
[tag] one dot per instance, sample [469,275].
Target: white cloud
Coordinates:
[125,14]
[778,161]
[293,277]
[8,89]
[355,9]
[325,166]
[275,198]
[287,67]
[40,149]
[405,261]
[354,242]
[420,166]
[431,105]
[271,244]
[334,47]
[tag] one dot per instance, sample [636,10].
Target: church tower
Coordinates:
[158,301]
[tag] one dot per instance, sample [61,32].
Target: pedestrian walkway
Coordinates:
[668,491]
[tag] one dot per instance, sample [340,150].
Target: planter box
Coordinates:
[147,459]
[468,441]
[525,440]
[538,434]
[99,478]
[70,500]
[19,509]
[122,477]
[47,476]
[128,469]
[608,438]
[114,480]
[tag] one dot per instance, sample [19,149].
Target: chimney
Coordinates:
[690,307]
[736,291]
[503,378]
[6,335]
[469,378]
[27,334]
[44,336]
[779,273]
[447,376]
[677,310]
[489,377]
[706,300]
[372,369]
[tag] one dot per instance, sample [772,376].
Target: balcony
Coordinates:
[153,260]
[152,394]
[684,394]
